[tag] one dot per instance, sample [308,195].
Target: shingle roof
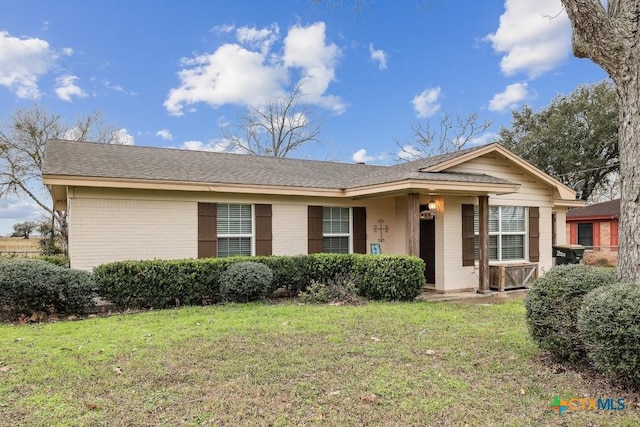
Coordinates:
[606,209]
[85,159]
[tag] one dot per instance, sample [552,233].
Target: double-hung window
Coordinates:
[336,230]
[234,229]
[507,232]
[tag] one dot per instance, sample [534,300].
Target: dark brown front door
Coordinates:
[428,248]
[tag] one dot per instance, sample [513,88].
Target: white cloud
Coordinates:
[164,134]
[121,136]
[530,40]
[251,71]
[22,62]
[360,156]
[427,102]
[224,28]
[379,56]
[262,38]
[510,98]
[483,139]
[306,48]
[67,51]
[19,210]
[409,152]
[215,145]
[66,88]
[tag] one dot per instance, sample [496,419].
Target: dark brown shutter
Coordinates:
[263,230]
[534,234]
[207,230]
[468,236]
[359,230]
[315,230]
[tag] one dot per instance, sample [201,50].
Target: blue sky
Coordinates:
[172,74]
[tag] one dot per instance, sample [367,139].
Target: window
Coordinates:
[336,230]
[506,233]
[585,235]
[235,230]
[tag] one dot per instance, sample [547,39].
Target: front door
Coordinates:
[428,248]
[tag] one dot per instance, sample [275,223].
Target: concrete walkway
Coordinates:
[470,297]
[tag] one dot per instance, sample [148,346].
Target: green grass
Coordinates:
[378,364]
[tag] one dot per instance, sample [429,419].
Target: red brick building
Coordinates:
[596,228]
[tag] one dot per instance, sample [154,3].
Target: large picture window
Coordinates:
[336,230]
[234,229]
[507,230]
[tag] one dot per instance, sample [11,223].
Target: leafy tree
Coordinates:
[451,134]
[574,139]
[276,129]
[22,144]
[611,38]
[24,229]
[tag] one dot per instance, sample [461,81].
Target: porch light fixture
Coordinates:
[432,206]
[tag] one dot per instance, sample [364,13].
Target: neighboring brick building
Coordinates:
[596,228]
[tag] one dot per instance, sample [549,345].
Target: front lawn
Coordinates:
[380,364]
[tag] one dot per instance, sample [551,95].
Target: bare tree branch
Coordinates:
[452,134]
[276,129]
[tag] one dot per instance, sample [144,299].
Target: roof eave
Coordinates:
[431,186]
[145,184]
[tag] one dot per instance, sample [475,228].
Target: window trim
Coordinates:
[349,236]
[500,233]
[239,235]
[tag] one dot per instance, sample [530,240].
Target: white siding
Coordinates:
[289,229]
[450,274]
[104,230]
[532,192]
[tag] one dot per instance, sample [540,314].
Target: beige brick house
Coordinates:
[465,213]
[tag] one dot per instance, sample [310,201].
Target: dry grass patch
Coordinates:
[377,364]
[19,244]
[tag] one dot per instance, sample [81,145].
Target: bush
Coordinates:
[246,281]
[341,290]
[28,286]
[59,260]
[389,277]
[160,284]
[552,306]
[609,326]
[164,283]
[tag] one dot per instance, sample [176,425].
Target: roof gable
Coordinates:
[563,191]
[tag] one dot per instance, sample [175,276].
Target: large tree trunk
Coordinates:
[611,39]
[629,131]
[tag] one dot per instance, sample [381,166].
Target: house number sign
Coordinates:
[380,227]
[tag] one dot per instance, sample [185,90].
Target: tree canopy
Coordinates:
[574,139]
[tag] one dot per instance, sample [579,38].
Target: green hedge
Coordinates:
[609,326]
[28,286]
[163,283]
[552,306]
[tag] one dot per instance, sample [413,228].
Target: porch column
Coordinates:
[413,224]
[483,211]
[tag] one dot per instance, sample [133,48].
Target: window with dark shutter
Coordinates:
[360,230]
[207,230]
[315,229]
[263,230]
[534,234]
[468,235]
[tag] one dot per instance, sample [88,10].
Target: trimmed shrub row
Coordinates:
[581,314]
[28,286]
[163,284]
